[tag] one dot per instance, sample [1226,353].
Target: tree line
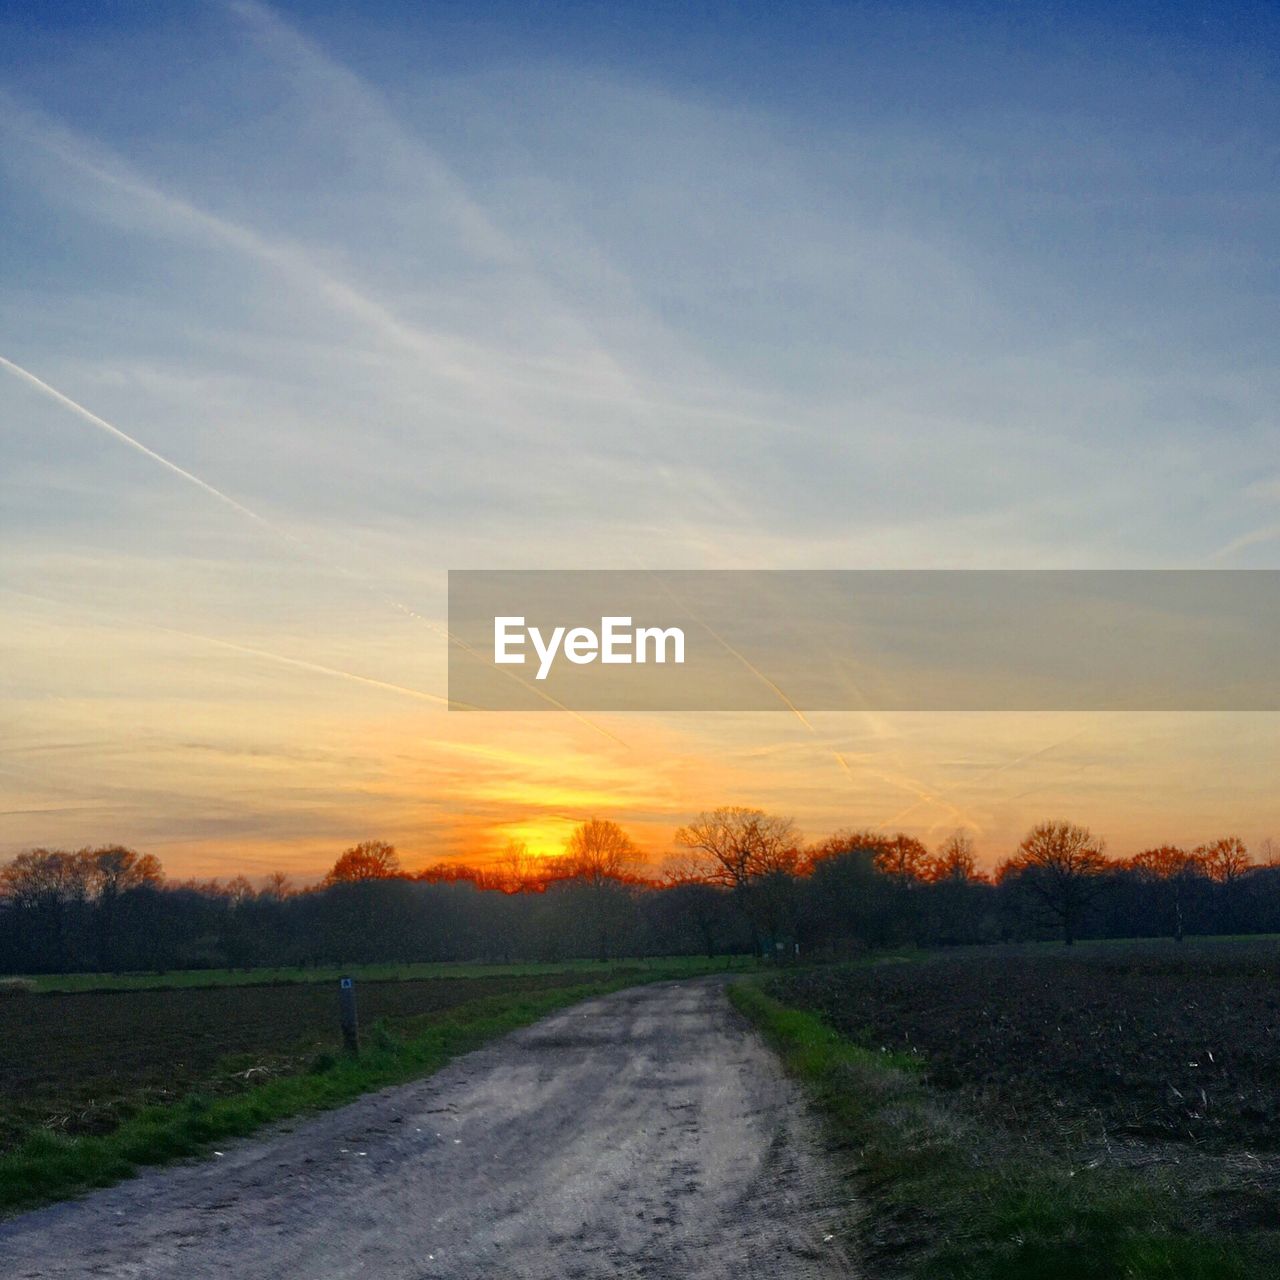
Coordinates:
[741,881]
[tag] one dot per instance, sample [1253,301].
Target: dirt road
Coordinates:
[644,1134]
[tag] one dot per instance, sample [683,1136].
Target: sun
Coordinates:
[543,837]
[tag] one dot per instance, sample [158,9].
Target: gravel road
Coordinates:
[647,1133]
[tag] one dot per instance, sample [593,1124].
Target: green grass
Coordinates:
[178,978]
[47,1166]
[948,1198]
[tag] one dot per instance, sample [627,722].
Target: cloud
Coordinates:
[541,310]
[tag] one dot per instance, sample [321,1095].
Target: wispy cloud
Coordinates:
[542,309]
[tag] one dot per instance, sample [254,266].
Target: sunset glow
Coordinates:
[592,312]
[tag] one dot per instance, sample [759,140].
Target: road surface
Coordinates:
[648,1133]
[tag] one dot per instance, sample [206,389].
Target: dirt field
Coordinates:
[1158,1041]
[79,1062]
[644,1134]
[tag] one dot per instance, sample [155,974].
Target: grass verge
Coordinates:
[47,1166]
[945,1197]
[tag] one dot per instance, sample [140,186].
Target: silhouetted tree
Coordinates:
[734,846]
[519,868]
[597,855]
[749,852]
[278,886]
[955,859]
[845,903]
[1170,869]
[1060,864]
[599,850]
[701,907]
[369,860]
[50,887]
[110,872]
[1225,860]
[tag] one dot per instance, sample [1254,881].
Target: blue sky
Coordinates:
[429,286]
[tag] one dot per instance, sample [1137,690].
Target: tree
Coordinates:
[844,902]
[109,872]
[240,890]
[50,885]
[369,860]
[954,861]
[901,857]
[1225,860]
[754,854]
[1060,864]
[519,868]
[599,850]
[1172,869]
[277,886]
[701,905]
[734,846]
[597,856]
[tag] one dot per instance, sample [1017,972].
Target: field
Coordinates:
[1159,1042]
[178,978]
[80,1061]
[1095,1112]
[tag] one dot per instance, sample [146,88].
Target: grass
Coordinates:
[47,1166]
[948,1198]
[179,978]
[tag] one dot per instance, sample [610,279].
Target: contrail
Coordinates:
[283,534]
[991,773]
[1255,537]
[301,663]
[906,783]
[67,402]
[305,665]
[720,640]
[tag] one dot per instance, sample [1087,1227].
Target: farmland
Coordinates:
[80,1061]
[1105,1111]
[1157,1042]
[258,976]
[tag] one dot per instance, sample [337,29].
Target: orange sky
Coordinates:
[290,336]
[223,761]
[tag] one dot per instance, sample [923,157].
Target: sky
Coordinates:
[302,306]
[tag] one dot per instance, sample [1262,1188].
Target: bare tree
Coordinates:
[518,868]
[1172,868]
[277,886]
[599,850]
[597,856]
[901,857]
[955,860]
[1225,860]
[109,872]
[753,853]
[369,860]
[734,846]
[240,890]
[1061,864]
[50,883]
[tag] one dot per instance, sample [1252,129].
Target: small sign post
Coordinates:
[347,1011]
